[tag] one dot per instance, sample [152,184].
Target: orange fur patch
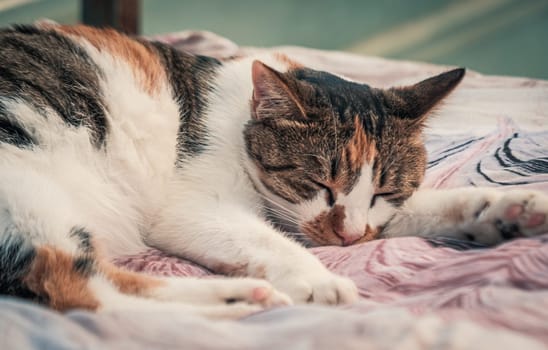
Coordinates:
[237,269]
[53,276]
[291,64]
[322,228]
[359,149]
[130,282]
[144,62]
[370,234]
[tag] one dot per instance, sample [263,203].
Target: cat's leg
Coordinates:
[112,299]
[65,281]
[484,215]
[231,239]
[119,289]
[46,255]
[206,291]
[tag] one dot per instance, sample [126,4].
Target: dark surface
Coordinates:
[123,15]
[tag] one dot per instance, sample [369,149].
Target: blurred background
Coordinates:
[505,37]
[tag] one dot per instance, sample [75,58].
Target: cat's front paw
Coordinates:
[322,288]
[510,215]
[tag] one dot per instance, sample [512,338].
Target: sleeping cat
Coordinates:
[109,145]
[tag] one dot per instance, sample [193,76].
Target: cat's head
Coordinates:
[332,158]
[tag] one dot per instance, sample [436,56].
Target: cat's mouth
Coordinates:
[323,230]
[314,233]
[327,229]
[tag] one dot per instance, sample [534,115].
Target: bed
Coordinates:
[415,294]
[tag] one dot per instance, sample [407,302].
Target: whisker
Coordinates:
[281,215]
[280,211]
[280,206]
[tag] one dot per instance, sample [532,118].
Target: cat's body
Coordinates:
[109,145]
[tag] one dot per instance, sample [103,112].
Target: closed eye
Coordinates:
[330,194]
[334,168]
[385,195]
[279,168]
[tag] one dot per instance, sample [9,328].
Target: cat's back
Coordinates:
[76,76]
[102,115]
[117,89]
[93,123]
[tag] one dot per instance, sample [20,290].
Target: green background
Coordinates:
[507,37]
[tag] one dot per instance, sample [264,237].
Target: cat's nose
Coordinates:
[348,237]
[350,241]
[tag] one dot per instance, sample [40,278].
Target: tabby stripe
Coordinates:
[84,239]
[190,78]
[12,132]
[278,168]
[282,194]
[85,266]
[47,70]
[16,257]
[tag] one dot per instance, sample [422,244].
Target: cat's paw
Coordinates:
[243,297]
[505,216]
[252,291]
[322,288]
[222,291]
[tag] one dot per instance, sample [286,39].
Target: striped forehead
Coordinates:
[361,147]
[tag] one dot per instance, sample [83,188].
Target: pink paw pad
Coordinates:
[513,211]
[536,219]
[260,293]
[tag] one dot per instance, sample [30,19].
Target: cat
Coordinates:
[110,145]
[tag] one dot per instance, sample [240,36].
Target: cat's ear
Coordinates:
[414,102]
[272,97]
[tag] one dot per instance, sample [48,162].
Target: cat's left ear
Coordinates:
[272,94]
[414,102]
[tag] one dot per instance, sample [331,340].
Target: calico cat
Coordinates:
[110,145]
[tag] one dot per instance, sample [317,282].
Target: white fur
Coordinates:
[356,205]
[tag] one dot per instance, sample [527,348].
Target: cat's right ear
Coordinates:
[414,102]
[272,97]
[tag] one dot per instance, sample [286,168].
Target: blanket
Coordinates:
[415,294]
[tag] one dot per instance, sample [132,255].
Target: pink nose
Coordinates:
[350,241]
[349,238]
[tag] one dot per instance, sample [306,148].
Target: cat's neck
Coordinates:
[229,106]
[225,117]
